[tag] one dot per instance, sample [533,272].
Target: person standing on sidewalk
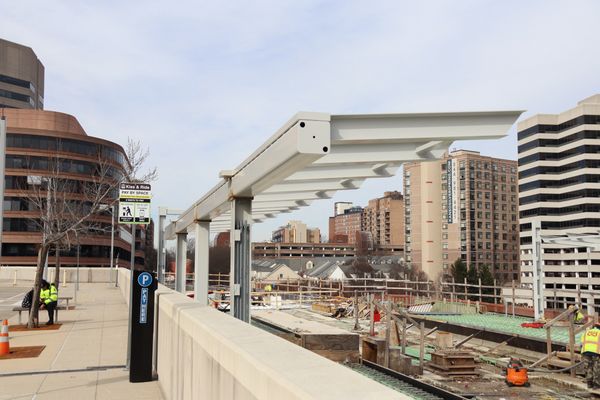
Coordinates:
[590,350]
[49,299]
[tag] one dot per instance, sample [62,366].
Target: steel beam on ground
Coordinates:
[201,260]
[180,263]
[241,250]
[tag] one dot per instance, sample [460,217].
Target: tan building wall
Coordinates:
[463,206]
[383,218]
[313,235]
[422,191]
[347,224]
[296,232]
[21,77]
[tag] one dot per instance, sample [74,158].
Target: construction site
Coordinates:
[429,341]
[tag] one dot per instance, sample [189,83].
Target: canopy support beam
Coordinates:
[241,220]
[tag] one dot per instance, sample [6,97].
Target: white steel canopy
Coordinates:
[314,155]
[310,158]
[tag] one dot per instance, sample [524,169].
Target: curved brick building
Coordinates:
[36,141]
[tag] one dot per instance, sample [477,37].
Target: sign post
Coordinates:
[142,326]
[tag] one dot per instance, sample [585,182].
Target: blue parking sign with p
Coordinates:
[143,288]
[144,279]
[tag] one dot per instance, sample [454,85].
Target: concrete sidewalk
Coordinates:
[92,335]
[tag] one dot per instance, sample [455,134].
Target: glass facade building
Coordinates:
[21,77]
[42,143]
[39,143]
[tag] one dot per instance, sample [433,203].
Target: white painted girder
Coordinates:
[395,128]
[314,154]
[314,185]
[379,153]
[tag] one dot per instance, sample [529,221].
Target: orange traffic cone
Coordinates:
[4,345]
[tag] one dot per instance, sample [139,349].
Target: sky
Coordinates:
[203,84]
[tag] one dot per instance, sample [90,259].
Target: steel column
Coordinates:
[241,218]
[162,254]
[201,250]
[180,261]
[538,273]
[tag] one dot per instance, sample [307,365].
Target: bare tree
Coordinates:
[136,158]
[67,208]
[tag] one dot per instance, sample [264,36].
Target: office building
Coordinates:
[345,224]
[462,206]
[21,77]
[559,186]
[383,219]
[40,143]
[296,232]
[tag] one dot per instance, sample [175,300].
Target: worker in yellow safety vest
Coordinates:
[49,299]
[590,350]
[579,317]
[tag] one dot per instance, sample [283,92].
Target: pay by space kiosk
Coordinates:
[144,285]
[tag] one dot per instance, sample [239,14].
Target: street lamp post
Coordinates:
[77,268]
[104,207]
[112,242]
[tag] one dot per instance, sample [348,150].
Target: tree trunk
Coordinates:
[37,283]
[57,267]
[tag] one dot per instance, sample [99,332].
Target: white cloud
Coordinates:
[205,83]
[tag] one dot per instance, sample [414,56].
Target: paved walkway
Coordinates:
[92,335]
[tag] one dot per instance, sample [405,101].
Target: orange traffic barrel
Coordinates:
[4,345]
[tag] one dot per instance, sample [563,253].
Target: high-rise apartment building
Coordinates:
[296,232]
[462,206]
[383,219]
[21,77]
[559,186]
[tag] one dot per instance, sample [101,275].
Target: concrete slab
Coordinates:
[295,324]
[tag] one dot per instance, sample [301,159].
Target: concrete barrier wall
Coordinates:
[86,275]
[124,283]
[204,353]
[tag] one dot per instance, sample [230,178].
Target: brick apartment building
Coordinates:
[462,206]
